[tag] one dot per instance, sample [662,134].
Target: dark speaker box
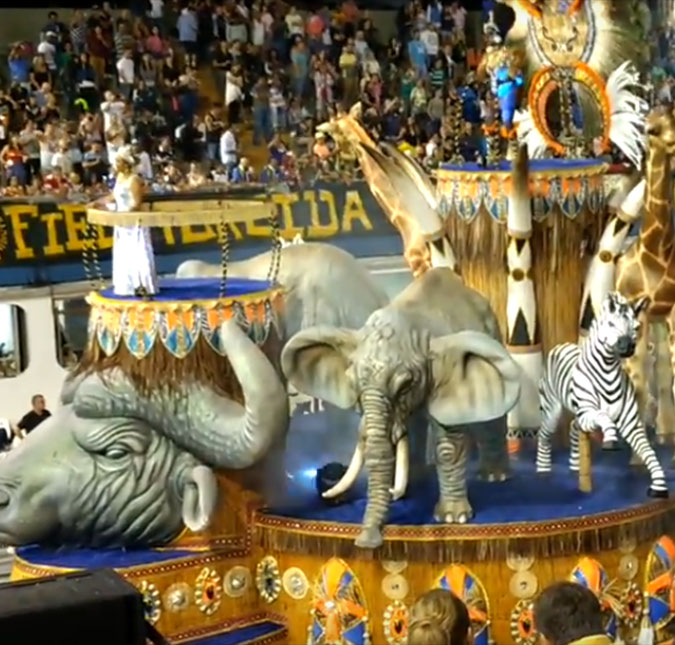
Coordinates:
[88,608]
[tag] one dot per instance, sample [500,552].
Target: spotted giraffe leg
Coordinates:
[637,368]
[664,346]
[640,370]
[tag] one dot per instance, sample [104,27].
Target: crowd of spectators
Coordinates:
[102,79]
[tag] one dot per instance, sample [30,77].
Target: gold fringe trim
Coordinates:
[160,368]
[436,548]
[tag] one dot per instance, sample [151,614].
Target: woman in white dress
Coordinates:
[133,260]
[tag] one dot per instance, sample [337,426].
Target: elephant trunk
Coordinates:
[215,429]
[379,459]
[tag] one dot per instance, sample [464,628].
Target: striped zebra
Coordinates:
[589,381]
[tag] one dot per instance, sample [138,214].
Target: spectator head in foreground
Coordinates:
[439,618]
[568,614]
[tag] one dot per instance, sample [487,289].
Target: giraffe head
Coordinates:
[660,128]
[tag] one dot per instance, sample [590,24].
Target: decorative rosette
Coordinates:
[152,603]
[396,619]
[208,591]
[631,605]
[522,623]
[268,579]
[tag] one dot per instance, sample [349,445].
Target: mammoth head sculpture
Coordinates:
[388,369]
[87,482]
[120,466]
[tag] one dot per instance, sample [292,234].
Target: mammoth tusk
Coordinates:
[350,476]
[402,468]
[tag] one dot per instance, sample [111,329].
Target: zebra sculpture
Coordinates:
[590,382]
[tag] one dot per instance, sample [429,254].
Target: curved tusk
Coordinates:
[350,476]
[402,468]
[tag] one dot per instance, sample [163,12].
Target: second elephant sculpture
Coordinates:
[436,346]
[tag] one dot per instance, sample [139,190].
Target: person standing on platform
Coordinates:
[133,271]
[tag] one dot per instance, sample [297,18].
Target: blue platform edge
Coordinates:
[173,289]
[242,635]
[535,165]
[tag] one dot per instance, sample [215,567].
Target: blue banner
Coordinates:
[41,242]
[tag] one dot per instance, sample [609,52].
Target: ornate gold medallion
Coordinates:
[268,579]
[208,591]
[152,604]
[396,618]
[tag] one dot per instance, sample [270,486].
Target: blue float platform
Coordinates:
[196,289]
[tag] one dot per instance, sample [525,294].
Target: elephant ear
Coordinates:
[315,361]
[474,379]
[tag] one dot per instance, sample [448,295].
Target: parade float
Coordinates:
[233,521]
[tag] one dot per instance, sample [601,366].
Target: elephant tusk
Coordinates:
[402,468]
[350,476]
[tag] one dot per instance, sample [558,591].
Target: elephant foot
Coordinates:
[457,511]
[369,538]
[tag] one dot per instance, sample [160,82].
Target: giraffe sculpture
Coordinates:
[648,269]
[403,191]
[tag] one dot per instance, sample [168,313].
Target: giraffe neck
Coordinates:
[656,234]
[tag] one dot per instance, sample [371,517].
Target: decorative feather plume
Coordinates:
[628,112]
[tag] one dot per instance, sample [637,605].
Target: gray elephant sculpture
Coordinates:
[115,466]
[435,346]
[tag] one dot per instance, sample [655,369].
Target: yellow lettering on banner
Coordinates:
[169,237]
[76,225]
[53,247]
[289,230]
[235,230]
[190,236]
[317,229]
[18,214]
[354,210]
[253,229]
[105,238]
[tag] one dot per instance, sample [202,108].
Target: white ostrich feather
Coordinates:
[529,135]
[628,112]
